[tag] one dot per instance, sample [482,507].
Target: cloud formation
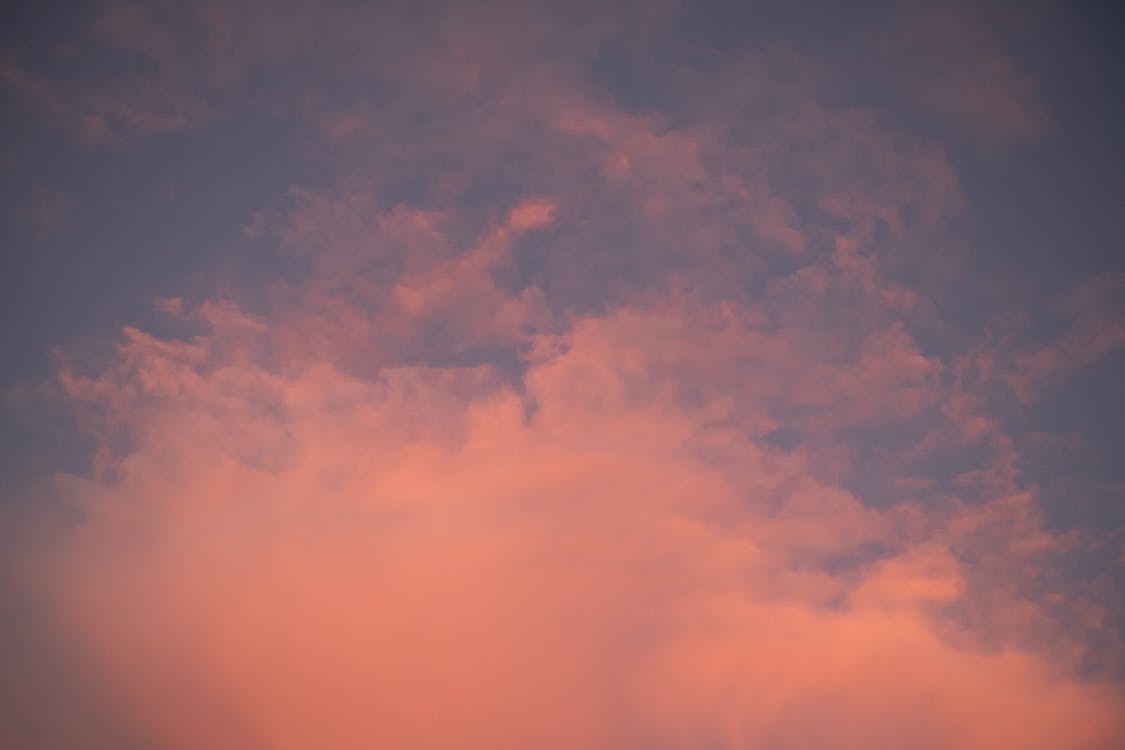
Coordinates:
[608,558]
[584,404]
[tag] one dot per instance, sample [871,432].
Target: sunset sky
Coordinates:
[660,375]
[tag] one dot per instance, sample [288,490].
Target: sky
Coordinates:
[606,375]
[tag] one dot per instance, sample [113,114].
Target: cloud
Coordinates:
[954,62]
[282,560]
[563,419]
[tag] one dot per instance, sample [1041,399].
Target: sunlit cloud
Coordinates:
[537,415]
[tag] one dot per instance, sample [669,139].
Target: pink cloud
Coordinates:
[624,431]
[286,558]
